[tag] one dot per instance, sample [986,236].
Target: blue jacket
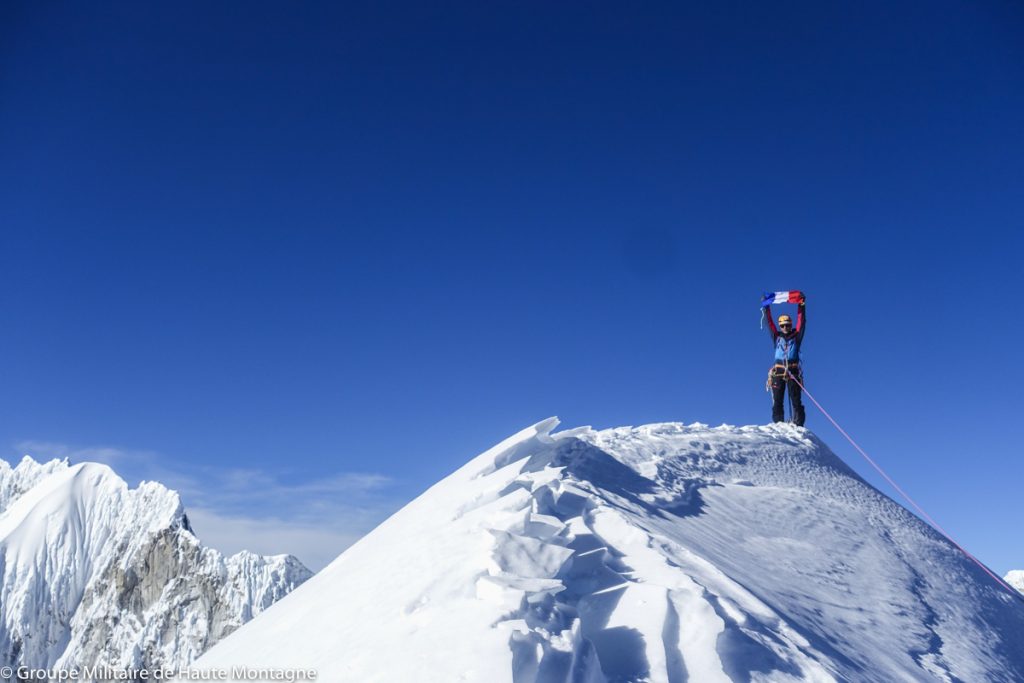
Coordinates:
[787,346]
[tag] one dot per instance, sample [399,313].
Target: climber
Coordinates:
[787,340]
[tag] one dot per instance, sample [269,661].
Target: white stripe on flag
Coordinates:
[781,298]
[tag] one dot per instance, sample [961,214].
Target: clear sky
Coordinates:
[301,260]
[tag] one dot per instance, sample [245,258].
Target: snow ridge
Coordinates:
[95,573]
[662,553]
[565,619]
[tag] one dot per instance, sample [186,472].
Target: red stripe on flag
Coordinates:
[794,296]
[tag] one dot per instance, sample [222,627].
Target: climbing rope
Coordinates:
[905,495]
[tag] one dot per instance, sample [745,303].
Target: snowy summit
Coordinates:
[662,553]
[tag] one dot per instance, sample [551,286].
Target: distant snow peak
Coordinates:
[1016,579]
[15,481]
[95,573]
[659,553]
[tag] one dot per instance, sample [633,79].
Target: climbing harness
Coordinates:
[780,370]
[913,504]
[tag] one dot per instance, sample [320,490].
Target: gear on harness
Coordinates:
[780,371]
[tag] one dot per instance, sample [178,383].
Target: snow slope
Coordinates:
[663,553]
[94,573]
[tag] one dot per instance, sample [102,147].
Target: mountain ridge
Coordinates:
[664,552]
[93,572]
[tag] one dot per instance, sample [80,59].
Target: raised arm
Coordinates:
[771,322]
[801,319]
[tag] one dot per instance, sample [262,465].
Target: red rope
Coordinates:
[903,493]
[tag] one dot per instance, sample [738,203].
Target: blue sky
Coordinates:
[302,260]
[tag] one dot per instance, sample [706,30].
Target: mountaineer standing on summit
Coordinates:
[787,340]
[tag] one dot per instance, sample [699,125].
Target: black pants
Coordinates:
[779,385]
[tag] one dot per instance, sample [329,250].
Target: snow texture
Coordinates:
[1016,579]
[664,553]
[94,573]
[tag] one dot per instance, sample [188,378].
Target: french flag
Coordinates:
[791,297]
